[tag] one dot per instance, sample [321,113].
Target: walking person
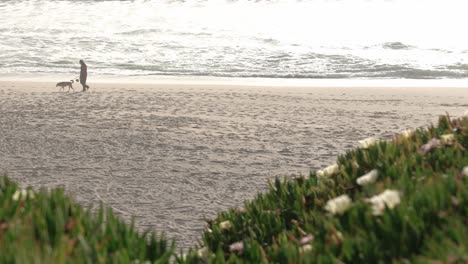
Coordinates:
[84,75]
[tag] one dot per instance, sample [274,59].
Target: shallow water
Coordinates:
[287,39]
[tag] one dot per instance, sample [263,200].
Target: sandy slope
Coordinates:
[172,155]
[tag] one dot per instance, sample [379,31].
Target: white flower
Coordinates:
[465,171]
[320,174]
[355,164]
[407,133]
[238,247]
[19,194]
[366,143]
[368,178]
[22,195]
[305,248]
[466,113]
[339,235]
[328,171]
[447,138]
[333,169]
[137,261]
[225,225]
[241,210]
[203,252]
[339,204]
[389,198]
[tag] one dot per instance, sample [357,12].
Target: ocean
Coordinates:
[308,39]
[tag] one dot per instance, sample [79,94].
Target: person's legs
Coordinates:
[83,83]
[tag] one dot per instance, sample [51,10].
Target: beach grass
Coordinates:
[400,200]
[48,227]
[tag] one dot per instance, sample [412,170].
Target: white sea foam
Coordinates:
[278,39]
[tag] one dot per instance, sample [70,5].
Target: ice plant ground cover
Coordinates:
[422,215]
[424,195]
[48,227]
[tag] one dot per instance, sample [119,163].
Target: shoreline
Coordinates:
[234,81]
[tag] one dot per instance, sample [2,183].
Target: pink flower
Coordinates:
[307,239]
[237,247]
[431,144]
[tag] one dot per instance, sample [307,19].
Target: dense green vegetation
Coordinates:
[418,213]
[48,227]
[402,200]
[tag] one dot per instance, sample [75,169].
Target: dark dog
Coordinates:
[65,84]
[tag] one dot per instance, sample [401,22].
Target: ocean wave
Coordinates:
[442,51]
[197,34]
[63,62]
[400,74]
[271,41]
[139,32]
[419,74]
[32,65]
[156,38]
[458,66]
[396,46]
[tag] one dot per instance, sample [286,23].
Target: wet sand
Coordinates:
[174,154]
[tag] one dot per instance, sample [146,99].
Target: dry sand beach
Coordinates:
[174,154]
